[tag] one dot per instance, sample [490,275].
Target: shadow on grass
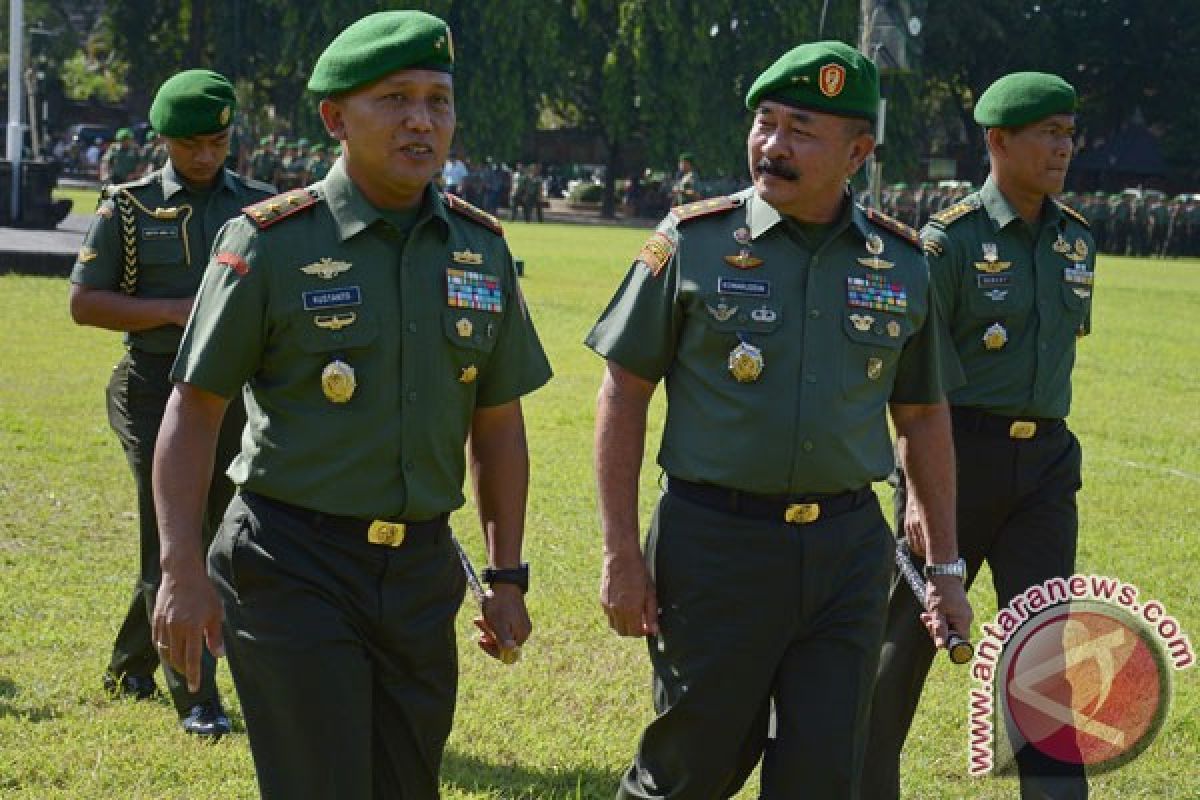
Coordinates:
[515,782]
[9,692]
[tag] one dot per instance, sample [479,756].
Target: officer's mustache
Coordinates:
[776,168]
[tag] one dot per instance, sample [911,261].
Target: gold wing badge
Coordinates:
[991,263]
[326,268]
[875,248]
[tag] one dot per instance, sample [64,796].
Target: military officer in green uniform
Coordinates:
[1012,272]
[138,271]
[784,321]
[120,161]
[318,162]
[684,189]
[377,326]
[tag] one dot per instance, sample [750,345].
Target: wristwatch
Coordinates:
[518,576]
[956,568]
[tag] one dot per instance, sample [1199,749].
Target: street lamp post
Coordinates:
[16,59]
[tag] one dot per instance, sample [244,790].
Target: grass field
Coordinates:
[564,722]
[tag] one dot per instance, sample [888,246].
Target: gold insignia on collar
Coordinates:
[335,322]
[86,254]
[722,312]
[862,322]
[326,268]
[467,257]
[744,260]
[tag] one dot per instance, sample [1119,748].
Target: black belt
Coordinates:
[387,532]
[974,419]
[796,509]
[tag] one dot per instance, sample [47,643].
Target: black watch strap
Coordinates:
[518,576]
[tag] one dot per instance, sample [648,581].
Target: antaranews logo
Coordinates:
[1078,668]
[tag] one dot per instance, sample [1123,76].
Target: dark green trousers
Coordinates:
[1016,510]
[137,397]
[342,651]
[759,616]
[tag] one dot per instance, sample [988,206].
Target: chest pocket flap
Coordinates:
[471,329]
[335,329]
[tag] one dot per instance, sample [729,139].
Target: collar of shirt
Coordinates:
[353,213]
[761,216]
[1001,212]
[172,183]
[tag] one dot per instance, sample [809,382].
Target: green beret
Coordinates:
[380,44]
[264,141]
[302,143]
[317,148]
[193,102]
[831,77]
[151,136]
[123,134]
[1023,97]
[685,156]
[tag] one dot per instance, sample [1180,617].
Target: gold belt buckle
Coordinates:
[1022,429]
[390,534]
[802,513]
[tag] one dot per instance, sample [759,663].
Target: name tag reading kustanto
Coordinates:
[332,298]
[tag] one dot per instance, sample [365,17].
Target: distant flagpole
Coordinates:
[16,60]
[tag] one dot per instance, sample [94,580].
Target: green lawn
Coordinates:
[563,722]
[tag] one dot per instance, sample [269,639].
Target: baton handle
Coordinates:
[508,655]
[959,649]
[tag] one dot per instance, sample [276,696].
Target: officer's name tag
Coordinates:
[993,281]
[151,234]
[332,298]
[744,287]
[1081,277]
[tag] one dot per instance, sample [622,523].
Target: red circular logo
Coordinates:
[1086,685]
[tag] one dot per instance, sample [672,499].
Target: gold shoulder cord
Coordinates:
[125,204]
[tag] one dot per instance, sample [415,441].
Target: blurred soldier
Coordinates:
[138,272]
[785,320]
[318,162]
[1158,216]
[1012,272]
[1122,223]
[684,189]
[1099,216]
[120,161]
[366,394]
[263,161]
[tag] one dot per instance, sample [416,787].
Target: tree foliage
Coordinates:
[649,78]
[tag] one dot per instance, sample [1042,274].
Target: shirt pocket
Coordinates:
[874,341]
[726,320]
[1077,292]
[162,245]
[328,333]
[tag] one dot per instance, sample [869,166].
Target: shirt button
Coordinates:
[808,446]
[412,396]
[412,327]
[814,313]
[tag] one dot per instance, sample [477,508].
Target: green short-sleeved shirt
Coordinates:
[169,230]
[1024,290]
[433,325]
[839,340]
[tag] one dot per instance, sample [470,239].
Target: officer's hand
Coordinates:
[505,624]
[187,614]
[628,597]
[914,531]
[947,609]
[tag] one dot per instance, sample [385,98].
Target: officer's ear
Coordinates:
[332,116]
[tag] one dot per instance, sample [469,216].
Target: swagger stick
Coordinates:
[959,649]
[508,655]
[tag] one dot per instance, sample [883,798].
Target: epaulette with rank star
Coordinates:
[476,215]
[1073,214]
[702,208]
[266,213]
[954,213]
[894,226]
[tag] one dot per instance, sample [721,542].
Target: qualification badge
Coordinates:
[893,329]
[722,312]
[468,374]
[464,328]
[746,362]
[874,368]
[742,236]
[874,245]
[337,381]
[862,322]
[995,337]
